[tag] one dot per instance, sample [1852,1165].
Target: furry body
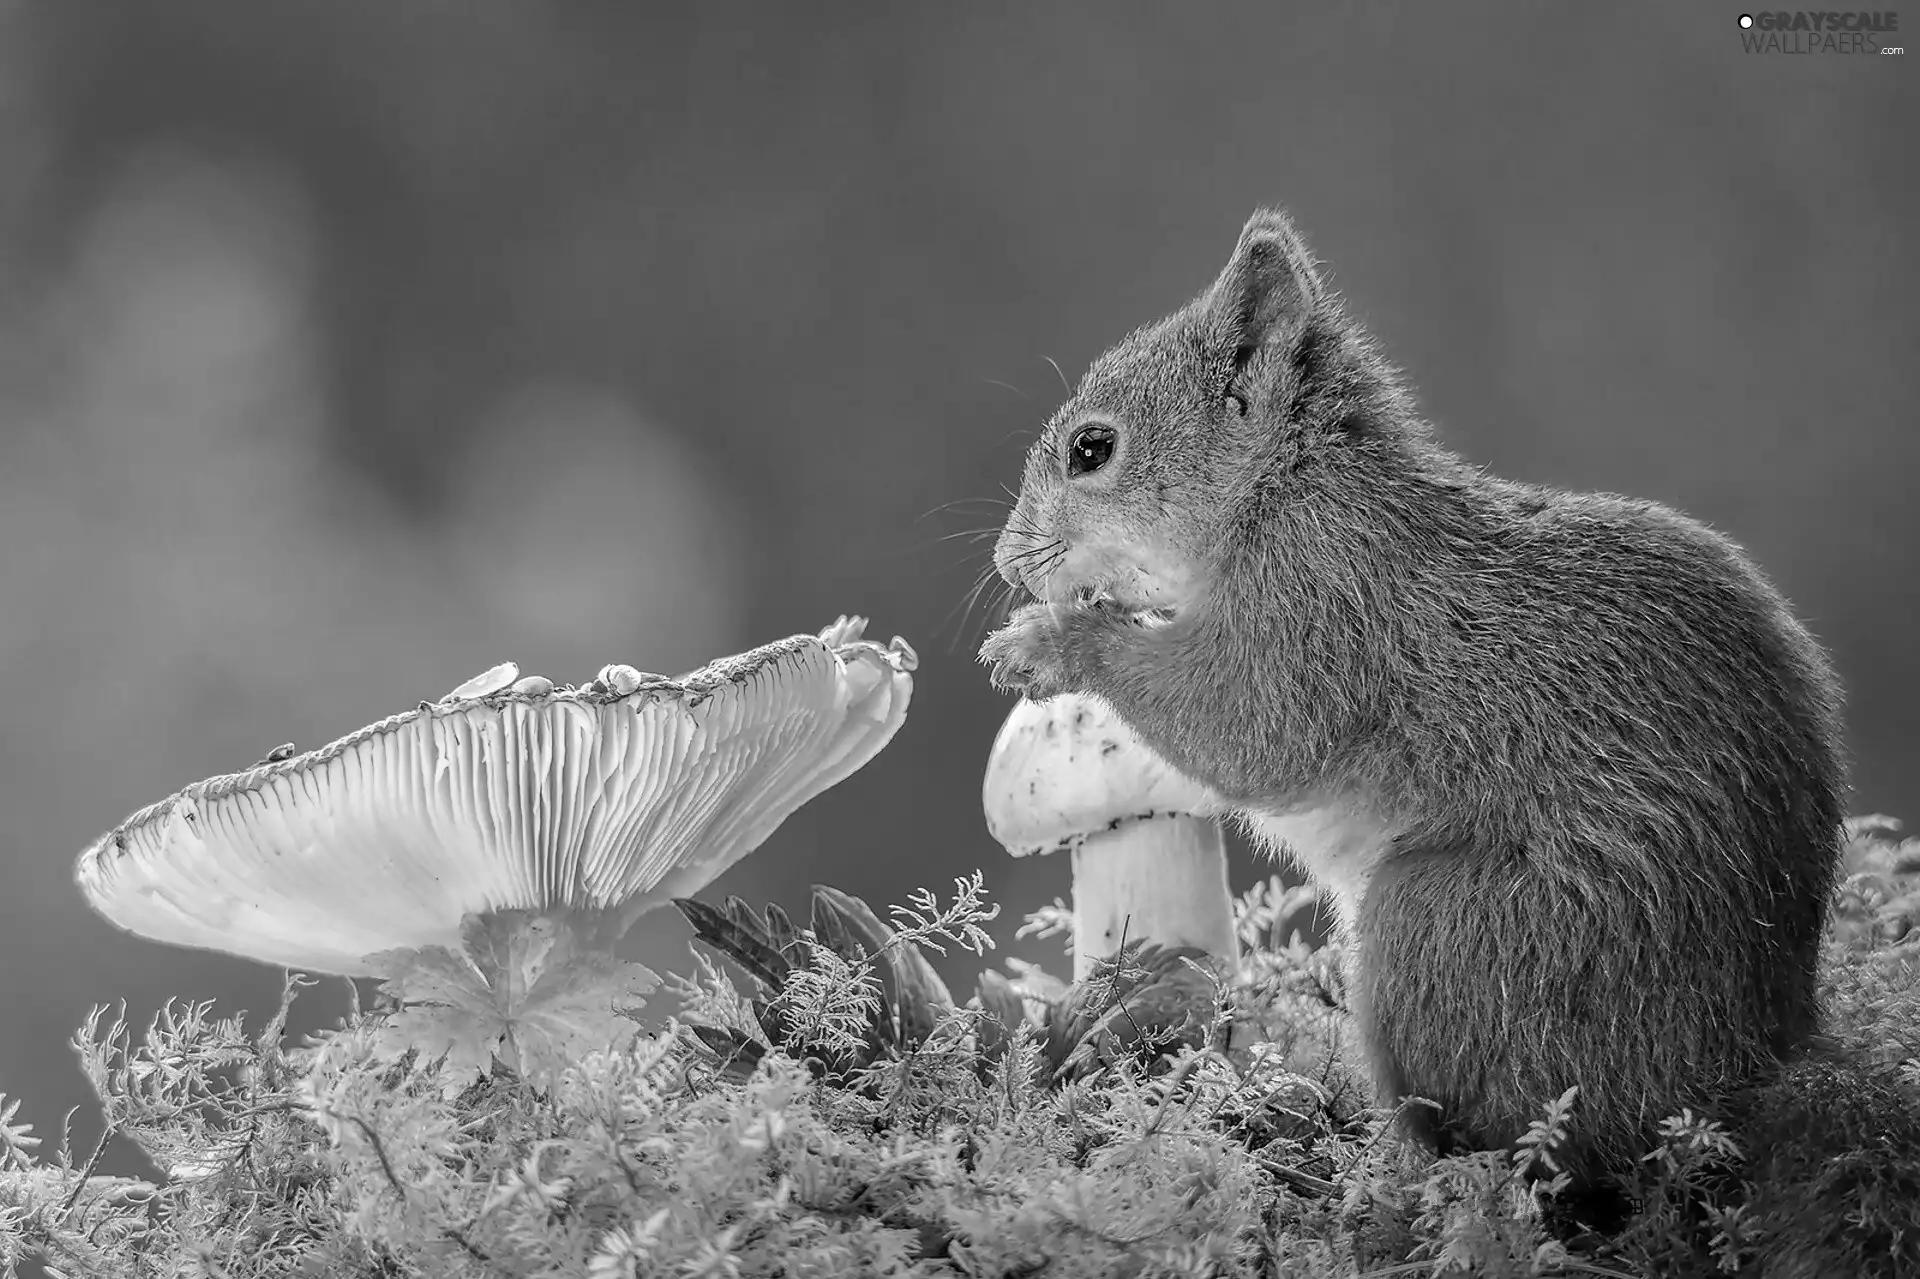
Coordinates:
[1569,764]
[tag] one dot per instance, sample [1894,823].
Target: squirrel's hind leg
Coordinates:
[1477,988]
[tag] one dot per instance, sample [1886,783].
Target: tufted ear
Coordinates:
[1269,286]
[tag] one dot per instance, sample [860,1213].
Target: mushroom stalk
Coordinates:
[1161,878]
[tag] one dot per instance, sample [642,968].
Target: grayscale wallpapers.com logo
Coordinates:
[1874,34]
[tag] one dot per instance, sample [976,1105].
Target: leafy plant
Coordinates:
[523,990]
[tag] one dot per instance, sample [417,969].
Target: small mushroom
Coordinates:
[585,807]
[1149,862]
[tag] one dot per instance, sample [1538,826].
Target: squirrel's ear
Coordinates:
[1269,286]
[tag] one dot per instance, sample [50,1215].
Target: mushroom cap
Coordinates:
[508,795]
[1069,767]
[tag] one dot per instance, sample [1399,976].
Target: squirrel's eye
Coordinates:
[1090,449]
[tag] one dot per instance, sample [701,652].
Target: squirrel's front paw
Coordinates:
[1025,655]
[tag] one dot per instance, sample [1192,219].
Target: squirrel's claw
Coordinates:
[1005,669]
[1024,656]
[1007,678]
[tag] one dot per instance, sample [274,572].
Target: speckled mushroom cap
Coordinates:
[1069,767]
[507,795]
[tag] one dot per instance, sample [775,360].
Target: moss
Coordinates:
[832,1110]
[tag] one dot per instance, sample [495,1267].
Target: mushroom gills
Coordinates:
[511,796]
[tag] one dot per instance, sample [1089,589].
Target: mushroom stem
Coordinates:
[1161,879]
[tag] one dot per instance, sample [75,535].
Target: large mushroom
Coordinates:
[1149,859]
[509,800]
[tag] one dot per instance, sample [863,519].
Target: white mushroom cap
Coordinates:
[510,795]
[1069,767]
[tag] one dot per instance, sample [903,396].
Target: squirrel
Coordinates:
[1566,764]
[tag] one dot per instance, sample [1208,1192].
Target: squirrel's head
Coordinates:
[1142,474]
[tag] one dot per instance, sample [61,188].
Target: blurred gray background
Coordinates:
[347,349]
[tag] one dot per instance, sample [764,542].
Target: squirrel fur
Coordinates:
[1566,763]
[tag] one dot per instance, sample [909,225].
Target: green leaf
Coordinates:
[429,975]
[739,937]
[834,929]
[576,1009]
[1146,1001]
[526,991]
[739,1054]
[466,1036]
[1006,1012]
[781,933]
